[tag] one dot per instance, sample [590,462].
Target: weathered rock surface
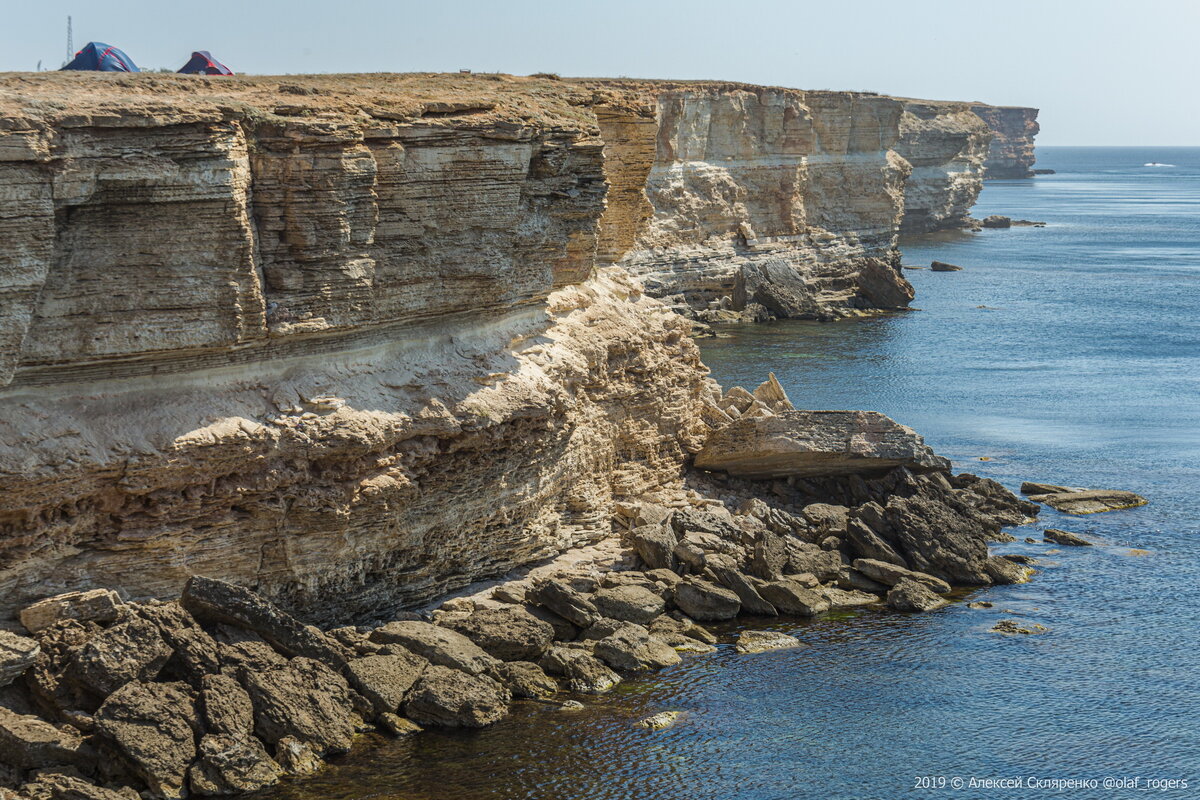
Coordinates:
[946,144]
[510,633]
[792,597]
[629,603]
[525,679]
[1010,154]
[455,699]
[1065,538]
[127,651]
[890,574]
[631,648]
[28,742]
[762,641]
[231,765]
[1090,501]
[95,605]
[386,679]
[302,700]
[17,654]
[705,601]
[911,595]
[815,443]
[441,646]
[153,725]
[584,672]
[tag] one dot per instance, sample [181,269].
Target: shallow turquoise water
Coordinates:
[1084,369]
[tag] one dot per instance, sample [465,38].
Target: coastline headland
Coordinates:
[286,358]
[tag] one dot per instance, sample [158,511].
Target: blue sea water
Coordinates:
[1066,354]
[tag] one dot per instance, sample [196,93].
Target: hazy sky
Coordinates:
[1102,71]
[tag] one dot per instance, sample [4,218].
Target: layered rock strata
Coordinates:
[947,145]
[738,179]
[1011,154]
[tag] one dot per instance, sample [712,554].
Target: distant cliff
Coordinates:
[946,144]
[1014,128]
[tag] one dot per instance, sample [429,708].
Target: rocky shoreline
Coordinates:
[223,692]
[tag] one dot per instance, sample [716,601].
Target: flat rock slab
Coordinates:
[1090,501]
[762,641]
[1065,538]
[816,443]
[17,654]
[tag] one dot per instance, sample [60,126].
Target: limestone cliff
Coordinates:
[735,178]
[946,145]
[356,340]
[325,337]
[1014,128]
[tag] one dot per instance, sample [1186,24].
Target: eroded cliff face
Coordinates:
[354,341]
[353,358]
[1011,154]
[735,179]
[946,144]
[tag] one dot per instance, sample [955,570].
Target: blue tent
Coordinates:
[101,57]
[203,63]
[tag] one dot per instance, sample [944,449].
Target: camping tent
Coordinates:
[203,63]
[101,57]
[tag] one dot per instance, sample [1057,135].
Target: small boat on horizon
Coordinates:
[1156,164]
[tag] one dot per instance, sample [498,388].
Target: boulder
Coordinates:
[804,557]
[525,679]
[232,765]
[661,721]
[632,649]
[628,603]
[942,266]
[295,757]
[997,221]
[910,595]
[216,601]
[1003,571]
[790,597]
[385,679]
[195,652]
[153,725]
[398,726]
[682,625]
[815,443]
[569,604]
[1065,538]
[826,519]
[225,706]
[725,570]
[509,633]
[778,287]
[705,601]
[304,700]
[584,672]
[762,641]
[853,580]
[769,558]
[655,545]
[890,574]
[1090,501]
[17,654]
[564,631]
[29,742]
[869,544]
[128,651]
[96,605]
[438,645]
[454,699]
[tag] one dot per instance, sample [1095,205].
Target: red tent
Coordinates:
[202,63]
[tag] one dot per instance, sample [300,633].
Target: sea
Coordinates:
[1068,354]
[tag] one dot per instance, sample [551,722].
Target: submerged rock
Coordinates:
[1065,538]
[815,443]
[1090,501]
[762,641]
[661,720]
[1012,627]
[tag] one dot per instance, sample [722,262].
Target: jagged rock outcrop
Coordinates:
[946,144]
[738,177]
[1010,154]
